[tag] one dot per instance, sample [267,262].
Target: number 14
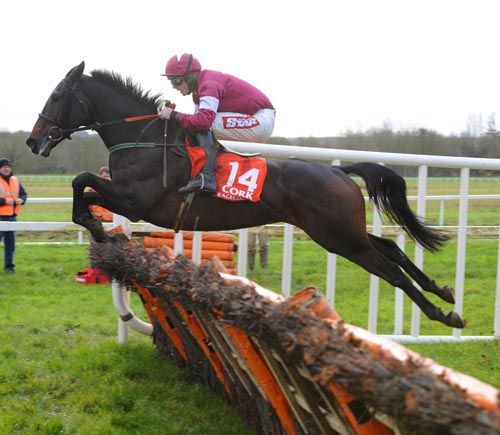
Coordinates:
[248,179]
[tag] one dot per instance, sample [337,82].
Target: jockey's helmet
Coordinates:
[182,66]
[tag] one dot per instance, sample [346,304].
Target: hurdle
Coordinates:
[291,365]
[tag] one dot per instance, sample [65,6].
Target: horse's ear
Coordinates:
[76,72]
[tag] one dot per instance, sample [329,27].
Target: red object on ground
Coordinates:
[92,276]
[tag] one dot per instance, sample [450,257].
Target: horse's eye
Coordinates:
[55,97]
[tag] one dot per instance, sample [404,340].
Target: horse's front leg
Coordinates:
[112,196]
[81,213]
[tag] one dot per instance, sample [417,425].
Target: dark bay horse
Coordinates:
[320,199]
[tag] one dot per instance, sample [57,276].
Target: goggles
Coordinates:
[176,81]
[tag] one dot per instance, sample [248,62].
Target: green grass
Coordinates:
[62,370]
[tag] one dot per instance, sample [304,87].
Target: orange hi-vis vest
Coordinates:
[9,189]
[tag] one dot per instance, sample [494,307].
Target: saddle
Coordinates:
[222,149]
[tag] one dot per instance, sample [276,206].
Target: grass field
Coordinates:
[62,371]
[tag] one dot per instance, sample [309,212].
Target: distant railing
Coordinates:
[441,198]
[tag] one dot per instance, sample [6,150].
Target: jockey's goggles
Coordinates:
[176,81]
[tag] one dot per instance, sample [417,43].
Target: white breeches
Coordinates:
[245,128]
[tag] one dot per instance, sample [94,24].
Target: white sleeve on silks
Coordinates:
[209,103]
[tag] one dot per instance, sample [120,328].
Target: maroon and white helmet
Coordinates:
[181,66]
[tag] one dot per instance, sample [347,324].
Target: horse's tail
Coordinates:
[388,191]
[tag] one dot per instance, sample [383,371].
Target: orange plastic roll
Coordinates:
[219,237]
[216,246]
[205,255]
[188,244]
[188,235]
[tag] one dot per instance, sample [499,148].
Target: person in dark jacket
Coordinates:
[12,197]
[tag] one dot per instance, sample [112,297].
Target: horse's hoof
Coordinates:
[454,320]
[448,294]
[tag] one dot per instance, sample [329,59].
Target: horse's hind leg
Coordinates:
[376,263]
[391,250]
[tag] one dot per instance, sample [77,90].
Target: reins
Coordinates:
[66,133]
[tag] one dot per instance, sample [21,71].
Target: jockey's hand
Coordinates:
[9,201]
[19,201]
[165,113]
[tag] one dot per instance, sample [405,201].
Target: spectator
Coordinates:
[12,197]
[261,235]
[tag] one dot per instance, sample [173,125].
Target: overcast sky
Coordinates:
[327,66]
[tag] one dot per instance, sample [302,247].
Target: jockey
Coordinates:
[230,108]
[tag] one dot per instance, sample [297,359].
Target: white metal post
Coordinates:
[286,276]
[197,247]
[461,245]
[399,295]
[419,251]
[374,280]
[178,243]
[243,252]
[123,329]
[441,213]
[496,326]
[331,277]
[331,266]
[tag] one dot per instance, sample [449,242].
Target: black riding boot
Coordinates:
[205,180]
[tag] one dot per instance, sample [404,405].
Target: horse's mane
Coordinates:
[127,86]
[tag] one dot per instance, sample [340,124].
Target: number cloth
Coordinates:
[240,178]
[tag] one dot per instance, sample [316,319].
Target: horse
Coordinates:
[320,199]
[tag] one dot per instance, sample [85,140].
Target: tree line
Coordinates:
[86,152]
[412,141]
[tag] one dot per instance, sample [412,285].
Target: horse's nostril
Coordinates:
[30,142]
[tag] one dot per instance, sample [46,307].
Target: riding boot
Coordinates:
[205,180]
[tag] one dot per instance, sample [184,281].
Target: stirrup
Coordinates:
[199,184]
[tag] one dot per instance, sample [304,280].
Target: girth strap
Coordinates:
[122,146]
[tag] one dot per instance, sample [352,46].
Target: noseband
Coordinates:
[57,131]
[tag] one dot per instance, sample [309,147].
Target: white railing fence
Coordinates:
[335,157]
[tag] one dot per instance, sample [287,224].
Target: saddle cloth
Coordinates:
[238,178]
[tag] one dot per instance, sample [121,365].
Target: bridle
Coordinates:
[58,133]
